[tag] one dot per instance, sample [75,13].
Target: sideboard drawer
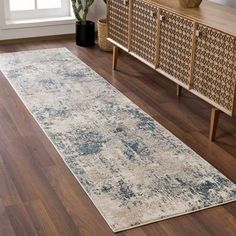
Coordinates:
[118,21]
[144,30]
[214,72]
[176,42]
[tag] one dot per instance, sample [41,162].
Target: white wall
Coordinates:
[98,10]
[226,2]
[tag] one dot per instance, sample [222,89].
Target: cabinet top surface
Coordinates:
[215,15]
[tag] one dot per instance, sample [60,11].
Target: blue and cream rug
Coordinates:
[132,168]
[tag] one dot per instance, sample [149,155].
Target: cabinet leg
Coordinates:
[179,90]
[115,57]
[215,113]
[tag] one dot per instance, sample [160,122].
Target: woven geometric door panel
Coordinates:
[118,17]
[176,42]
[214,72]
[144,30]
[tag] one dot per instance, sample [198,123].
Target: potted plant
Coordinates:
[85,29]
[102,25]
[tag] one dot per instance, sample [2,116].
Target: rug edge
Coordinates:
[49,139]
[174,216]
[100,211]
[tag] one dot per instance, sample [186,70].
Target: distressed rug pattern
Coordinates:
[134,170]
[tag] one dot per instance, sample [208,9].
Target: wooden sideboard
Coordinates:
[195,48]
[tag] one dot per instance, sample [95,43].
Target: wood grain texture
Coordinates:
[115,57]
[176,43]
[189,49]
[5,225]
[118,21]
[215,15]
[215,114]
[214,67]
[39,195]
[178,90]
[143,31]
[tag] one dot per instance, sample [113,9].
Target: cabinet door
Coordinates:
[144,30]
[214,69]
[176,42]
[118,17]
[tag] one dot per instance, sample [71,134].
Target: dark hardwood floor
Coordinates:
[39,195]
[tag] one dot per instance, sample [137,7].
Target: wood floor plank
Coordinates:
[20,220]
[231,208]
[225,226]
[38,151]
[215,155]
[172,228]
[32,185]
[40,219]
[8,194]
[36,185]
[191,225]
[75,198]
[29,180]
[15,108]
[155,229]
[5,224]
[7,127]
[136,231]
[184,117]
[20,174]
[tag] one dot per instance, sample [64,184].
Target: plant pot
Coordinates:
[103,43]
[85,34]
[190,3]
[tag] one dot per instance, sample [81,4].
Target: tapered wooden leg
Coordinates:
[215,113]
[179,90]
[115,57]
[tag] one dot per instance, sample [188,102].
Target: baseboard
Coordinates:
[34,39]
[41,38]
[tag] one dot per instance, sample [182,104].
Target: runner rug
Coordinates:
[134,170]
